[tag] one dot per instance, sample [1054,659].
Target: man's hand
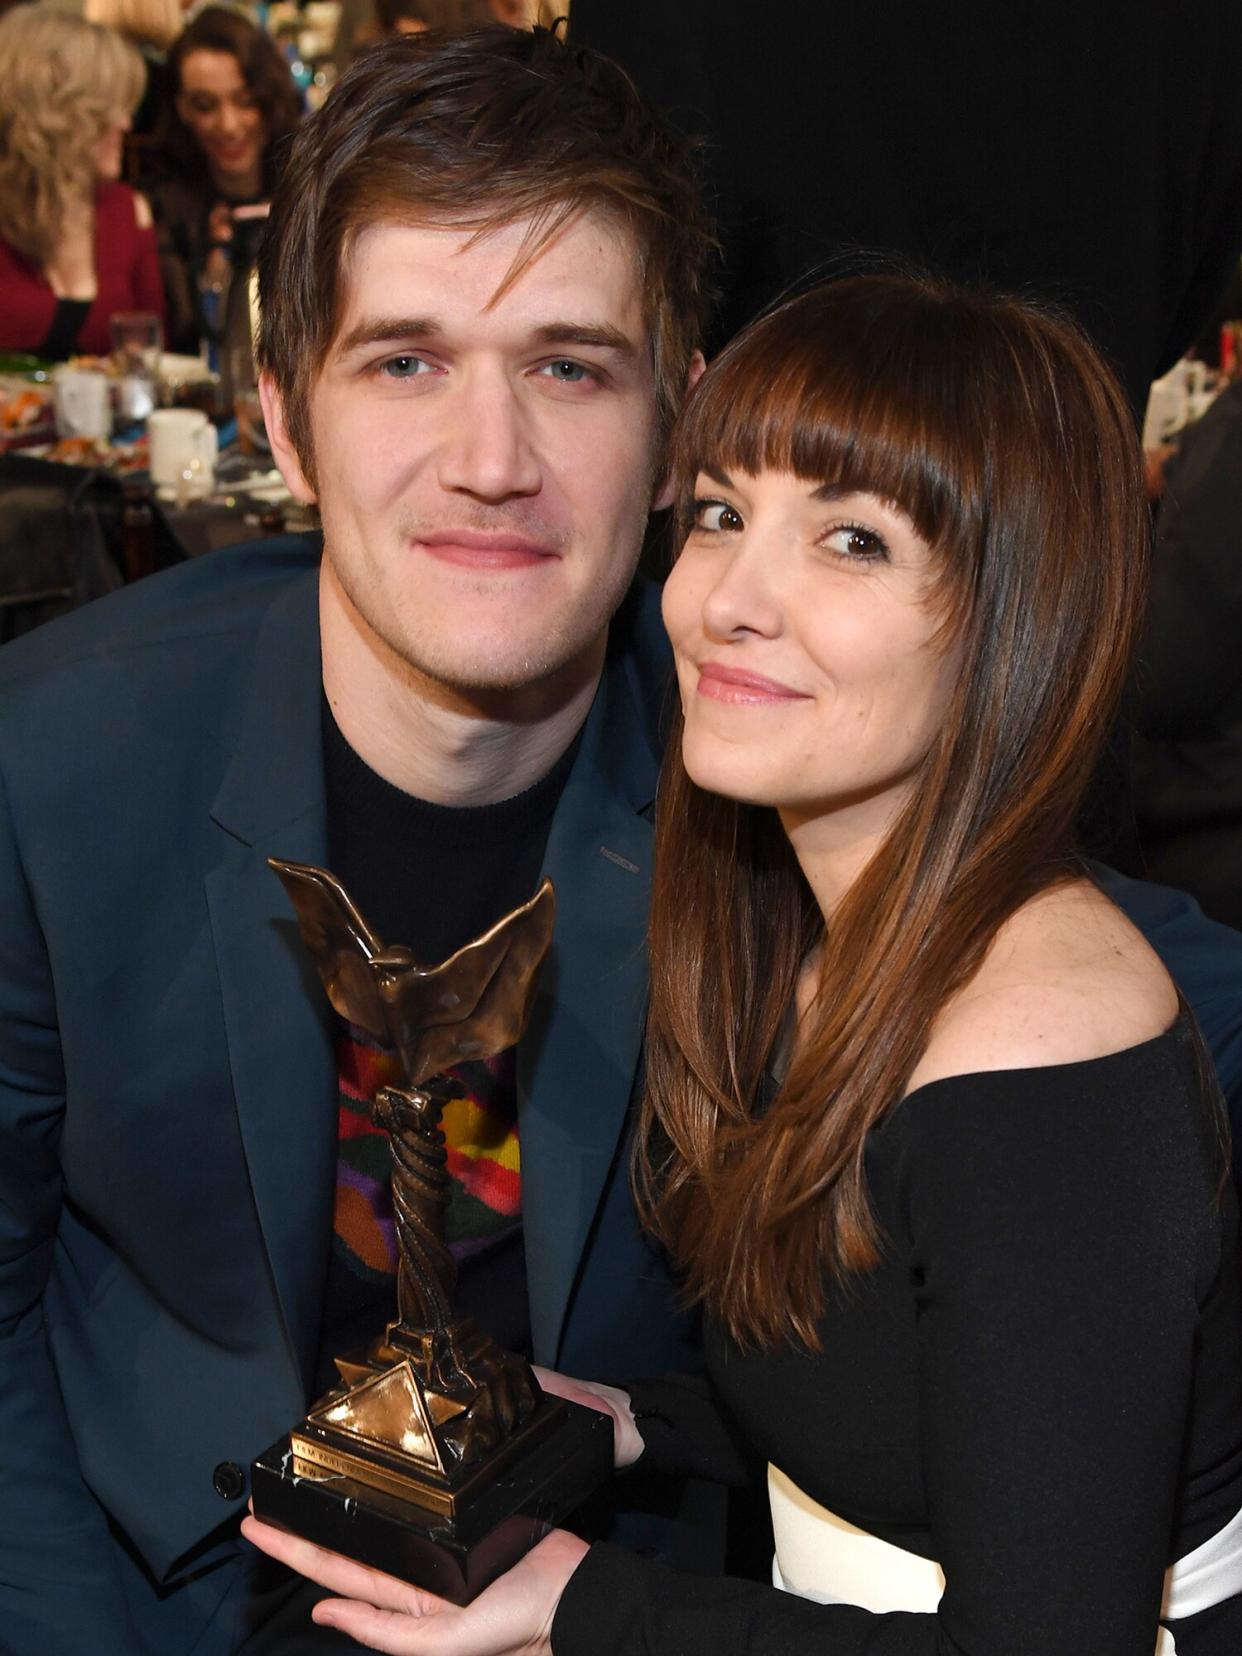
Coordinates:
[610,1400]
[512,1617]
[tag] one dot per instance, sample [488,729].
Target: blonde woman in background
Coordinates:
[76,245]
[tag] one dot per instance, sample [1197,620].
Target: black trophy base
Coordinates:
[457,1557]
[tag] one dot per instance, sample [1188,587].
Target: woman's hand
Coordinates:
[512,1617]
[610,1400]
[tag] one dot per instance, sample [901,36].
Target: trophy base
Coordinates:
[456,1556]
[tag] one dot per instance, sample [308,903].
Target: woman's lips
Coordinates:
[481,549]
[733,684]
[232,155]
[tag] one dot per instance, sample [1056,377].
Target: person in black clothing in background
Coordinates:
[1088,154]
[1188,679]
[927,1125]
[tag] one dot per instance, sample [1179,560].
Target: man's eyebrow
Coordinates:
[382,330]
[599,334]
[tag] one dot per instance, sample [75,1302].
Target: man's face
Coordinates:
[484,466]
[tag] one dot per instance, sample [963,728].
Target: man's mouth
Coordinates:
[483,549]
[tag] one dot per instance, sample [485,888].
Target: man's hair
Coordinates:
[478,130]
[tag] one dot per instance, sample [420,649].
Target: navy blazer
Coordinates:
[168,1081]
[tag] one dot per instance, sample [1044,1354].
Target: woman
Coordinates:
[927,1126]
[229,101]
[76,245]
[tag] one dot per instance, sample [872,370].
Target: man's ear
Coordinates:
[283,451]
[664,494]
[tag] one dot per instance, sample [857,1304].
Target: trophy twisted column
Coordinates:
[427,1271]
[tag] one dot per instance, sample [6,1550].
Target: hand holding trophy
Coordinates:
[438,1459]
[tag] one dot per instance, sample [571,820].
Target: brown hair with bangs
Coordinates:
[478,130]
[996,428]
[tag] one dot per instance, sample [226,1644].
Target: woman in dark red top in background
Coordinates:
[76,245]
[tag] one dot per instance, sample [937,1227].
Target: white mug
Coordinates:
[83,407]
[182,440]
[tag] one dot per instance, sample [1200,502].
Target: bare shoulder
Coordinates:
[1067,978]
[142,211]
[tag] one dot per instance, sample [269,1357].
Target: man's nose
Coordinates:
[488,449]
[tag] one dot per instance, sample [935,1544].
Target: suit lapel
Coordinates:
[579,1058]
[277,1022]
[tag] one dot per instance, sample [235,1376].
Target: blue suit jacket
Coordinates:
[167,1080]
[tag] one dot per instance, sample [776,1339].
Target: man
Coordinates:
[482,297]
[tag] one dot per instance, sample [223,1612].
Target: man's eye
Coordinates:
[715,515]
[566,371]
[853,540]
[403,367]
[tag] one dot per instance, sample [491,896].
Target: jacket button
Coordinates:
[229,1481]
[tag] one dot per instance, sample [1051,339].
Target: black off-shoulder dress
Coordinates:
[1040,1387]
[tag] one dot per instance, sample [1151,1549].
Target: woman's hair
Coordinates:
[146,22]
[63,83]
[264,70]
[995,427]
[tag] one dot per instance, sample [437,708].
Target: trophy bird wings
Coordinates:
[340,943]
[472,1005]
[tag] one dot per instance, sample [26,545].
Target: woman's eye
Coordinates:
[566,371]
[852,540]
[403,367]
[714,515]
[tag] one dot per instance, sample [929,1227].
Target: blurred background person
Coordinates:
[229,100]
[76,245]
[363,22]
[1050,150]
[1187,697]
[151,26]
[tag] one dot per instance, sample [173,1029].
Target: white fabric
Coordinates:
[822,1557]
[1206,1576]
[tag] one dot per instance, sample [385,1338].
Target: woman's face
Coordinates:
[220,110]
[812,669]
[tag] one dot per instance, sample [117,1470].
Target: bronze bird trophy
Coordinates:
[437,1459]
